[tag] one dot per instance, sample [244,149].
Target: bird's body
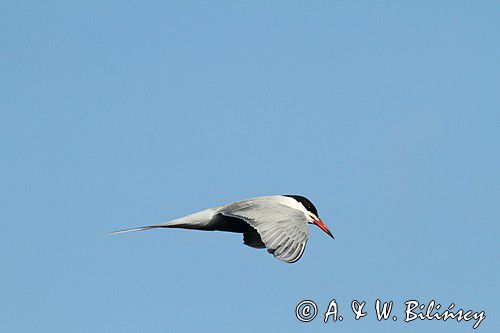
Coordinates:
[278,223]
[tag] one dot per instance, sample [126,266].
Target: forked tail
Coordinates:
[199,221]
[133,229]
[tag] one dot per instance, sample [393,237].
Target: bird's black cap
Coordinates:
[305,202]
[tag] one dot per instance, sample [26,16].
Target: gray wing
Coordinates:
[283,230]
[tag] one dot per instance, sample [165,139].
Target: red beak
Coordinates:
[323,227]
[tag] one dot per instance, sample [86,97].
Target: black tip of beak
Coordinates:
[330,234]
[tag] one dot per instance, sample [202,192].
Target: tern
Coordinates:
[278,223]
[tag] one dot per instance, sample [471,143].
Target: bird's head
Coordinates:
[312,212]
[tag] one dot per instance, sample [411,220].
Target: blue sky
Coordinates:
[117,115]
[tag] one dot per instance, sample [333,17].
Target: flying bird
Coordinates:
[277,223]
